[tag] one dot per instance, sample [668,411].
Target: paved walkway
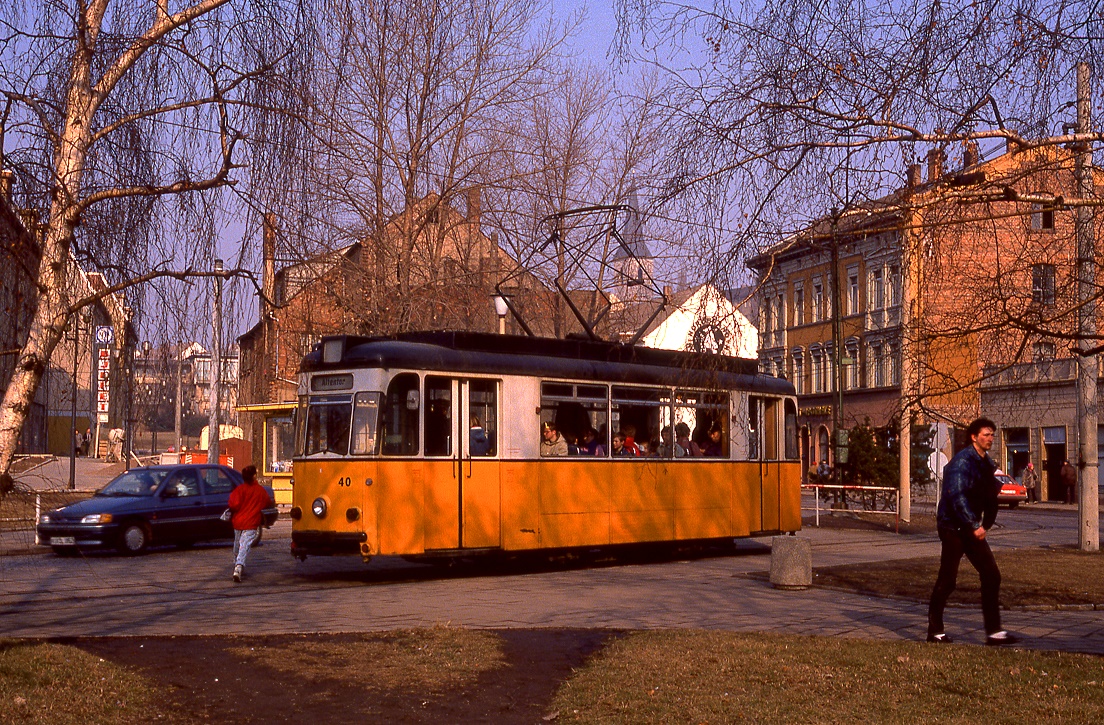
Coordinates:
[171,592]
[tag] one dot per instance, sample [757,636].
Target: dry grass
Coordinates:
[438,658]
[718,677]
[51,684]
[1029,577]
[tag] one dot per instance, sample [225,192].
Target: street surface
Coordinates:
[190,592]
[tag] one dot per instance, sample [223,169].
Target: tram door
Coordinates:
[461,445]
[765,439]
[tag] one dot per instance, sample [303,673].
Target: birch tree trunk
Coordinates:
[72,143]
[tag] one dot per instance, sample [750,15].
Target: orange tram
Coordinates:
[428,445]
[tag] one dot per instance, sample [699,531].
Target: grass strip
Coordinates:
[438,658]
[52,684]
[719,677]
[1044,577]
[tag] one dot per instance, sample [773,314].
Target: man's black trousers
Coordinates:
[955,544]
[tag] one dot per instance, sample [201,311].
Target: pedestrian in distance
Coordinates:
[967,511]
[1031,483]
[1068,474]
[247,504]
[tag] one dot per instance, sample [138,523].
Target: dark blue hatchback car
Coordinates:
[179,504]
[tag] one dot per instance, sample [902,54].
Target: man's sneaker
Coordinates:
[1001,639]
[238,573]
[940,638]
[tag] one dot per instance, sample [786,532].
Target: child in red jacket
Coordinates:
[247,503]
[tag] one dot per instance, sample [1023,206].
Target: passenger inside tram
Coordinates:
[552,443]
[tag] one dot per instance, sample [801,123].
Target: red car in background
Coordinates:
[1011,492]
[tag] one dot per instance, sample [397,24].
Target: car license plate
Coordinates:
[63,541]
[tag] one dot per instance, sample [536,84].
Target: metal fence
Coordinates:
[866,499]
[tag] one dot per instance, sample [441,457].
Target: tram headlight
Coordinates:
[319,507]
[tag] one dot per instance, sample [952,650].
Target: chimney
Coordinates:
[914,178]
[667,291]
[268,273]
[935,164]
[6,178]
[473,205]
[1010,146]
[971,155]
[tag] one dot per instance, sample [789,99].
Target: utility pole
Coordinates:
[75,319]
[838,440]
[909,349]
[216,371]
[179,393]
[1087,365]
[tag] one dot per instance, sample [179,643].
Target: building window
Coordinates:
[893,367]
[894,286]
[817,370]
[798,304]
[818,301]
[877,290]
[853,291]
[1043,351]
[828,374]
[766,320]
[779,319]
[1042,217]
[876,362]
[799,371]
[851,365]
[1042,284]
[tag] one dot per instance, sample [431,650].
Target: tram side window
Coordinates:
[438,416]
[328,419]
[791,431]
[638,414]
[702,417]
[579,413]
[399,424]
[365,419]
[755,429]
[483,418]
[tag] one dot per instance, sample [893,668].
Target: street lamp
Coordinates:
[501,308]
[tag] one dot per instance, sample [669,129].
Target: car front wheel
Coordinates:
[134,539]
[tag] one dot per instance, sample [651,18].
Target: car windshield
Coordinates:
[139,482]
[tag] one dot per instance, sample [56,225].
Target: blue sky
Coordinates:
[597,32]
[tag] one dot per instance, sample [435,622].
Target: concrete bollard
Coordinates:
[791,563]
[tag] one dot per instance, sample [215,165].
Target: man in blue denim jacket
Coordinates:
[967,510]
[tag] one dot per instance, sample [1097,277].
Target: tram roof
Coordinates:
[475,352]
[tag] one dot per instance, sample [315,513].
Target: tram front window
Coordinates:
[328,419]
[365,419]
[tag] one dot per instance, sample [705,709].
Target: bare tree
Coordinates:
[407,113]
[120,121]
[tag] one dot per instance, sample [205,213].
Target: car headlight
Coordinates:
[96,519]
[319,507]
[44,519]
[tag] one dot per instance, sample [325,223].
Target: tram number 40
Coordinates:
[347,482]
